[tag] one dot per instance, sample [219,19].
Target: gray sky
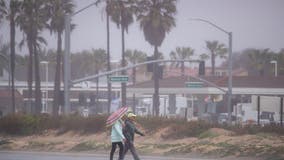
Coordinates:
[254,23]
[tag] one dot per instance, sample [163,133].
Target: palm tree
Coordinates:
[14,11]
[156,19]
[216,50]
[121,13]
[32,20]
[181,53]
[259,59]
[11,13]
[134,57]
[4,56]
[3,10]
[280,60]
[100,62]
[108,55]
[57,11]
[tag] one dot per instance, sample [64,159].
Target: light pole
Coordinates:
[275,67]
[46,84]
[230,39]
[67,56]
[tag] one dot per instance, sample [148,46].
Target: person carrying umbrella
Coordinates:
[128,132]
[117,137]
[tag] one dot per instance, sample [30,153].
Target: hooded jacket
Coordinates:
[129,130]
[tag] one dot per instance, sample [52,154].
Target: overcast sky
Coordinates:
[254,23]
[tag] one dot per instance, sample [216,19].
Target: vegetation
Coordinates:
[156,19]
[57,9]
[177,128]
[181,53]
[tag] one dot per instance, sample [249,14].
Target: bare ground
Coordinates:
[212,143]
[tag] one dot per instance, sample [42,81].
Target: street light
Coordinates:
[275,67]
[230,63]
[46,84]
[67,55]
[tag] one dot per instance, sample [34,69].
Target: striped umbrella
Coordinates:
[116,115]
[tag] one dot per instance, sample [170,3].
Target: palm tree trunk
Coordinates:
[30,74]
[108,63]
[12,58]
[182,68]
[98,108]
[38,101]
[213,63]
[134,82]
[156,101]
[123,64]
[57,83]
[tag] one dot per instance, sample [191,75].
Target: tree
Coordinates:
[100,62]
[32,20]
[108,53]
[11,14]
[259,59]
[156,19]
[14,11]
[121,13]
[4,56]
[280,60]
[3,10]
[57,11]
[216,50]
[181,53]
[134,57]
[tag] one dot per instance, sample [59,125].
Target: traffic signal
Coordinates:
[61,98]
[150,66]
[201,68]
[93,99]
[160,71]
[82,99]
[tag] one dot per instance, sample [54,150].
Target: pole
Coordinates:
[229,93]
[258,110]
[276,69]
[230,79]
[67,64]
[46,103]
[281,111]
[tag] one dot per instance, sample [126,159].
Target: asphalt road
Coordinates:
[7,155]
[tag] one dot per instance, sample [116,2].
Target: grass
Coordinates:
[90,145]
[208,134]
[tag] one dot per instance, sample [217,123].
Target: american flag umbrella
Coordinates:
[116,115]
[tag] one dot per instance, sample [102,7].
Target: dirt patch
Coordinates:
[213,142]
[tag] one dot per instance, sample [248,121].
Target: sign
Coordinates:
[194,84]
[118,79]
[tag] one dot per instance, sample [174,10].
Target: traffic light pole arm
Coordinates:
[144,63]
[129,67]
[209,83]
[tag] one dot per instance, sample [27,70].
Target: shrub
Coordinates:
[31,124]
[11,124]
[187,129]
[153,124]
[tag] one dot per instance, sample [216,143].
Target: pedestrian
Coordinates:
[117,139]
[129,130]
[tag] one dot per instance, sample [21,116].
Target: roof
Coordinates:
[237,81]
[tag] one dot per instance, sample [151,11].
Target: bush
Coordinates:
[153,124]
[187,129]
[31,124]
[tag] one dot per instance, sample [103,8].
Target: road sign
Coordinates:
[194,84]
[121,78]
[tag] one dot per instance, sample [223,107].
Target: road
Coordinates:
[18,155]
[7,155]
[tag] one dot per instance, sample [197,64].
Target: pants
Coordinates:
[113,148]
[130,145]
